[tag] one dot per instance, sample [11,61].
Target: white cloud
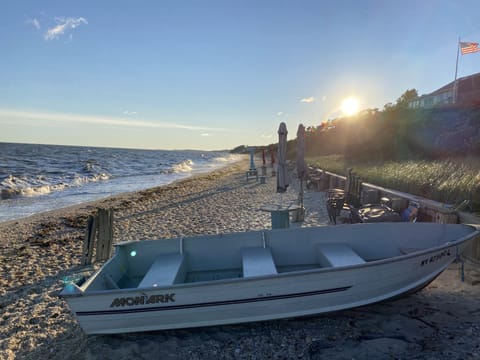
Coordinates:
[63,25]
[128,112]
[205,134]
[16,116]
[280,113]
[34,22]
[308,100]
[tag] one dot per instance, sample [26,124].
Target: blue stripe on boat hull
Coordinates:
[214,303]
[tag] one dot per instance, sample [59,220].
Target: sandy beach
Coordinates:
[440,322]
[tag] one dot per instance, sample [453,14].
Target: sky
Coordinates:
[215,74]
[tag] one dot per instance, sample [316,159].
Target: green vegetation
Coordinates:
[398,133]
[433,153]
[448,180]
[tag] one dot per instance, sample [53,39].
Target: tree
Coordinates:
[407,96]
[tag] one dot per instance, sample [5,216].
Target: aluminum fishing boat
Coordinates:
[261,275]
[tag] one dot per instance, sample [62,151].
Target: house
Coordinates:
[468,93]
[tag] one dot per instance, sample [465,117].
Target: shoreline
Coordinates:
[36,252]
[25,206]
[112,199]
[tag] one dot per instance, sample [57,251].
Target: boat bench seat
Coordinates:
[166,270]
[257,261]
[333,255]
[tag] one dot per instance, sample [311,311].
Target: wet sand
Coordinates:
[440,322]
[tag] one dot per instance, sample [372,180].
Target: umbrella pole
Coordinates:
[300,195]
[300,213]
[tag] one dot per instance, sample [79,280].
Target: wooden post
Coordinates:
[472,250]
[332,182]
[358,191]
[105,234]
[89,240]
[348,182]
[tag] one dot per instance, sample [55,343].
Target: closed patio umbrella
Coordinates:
[282,175]
[272,157]
[264,163]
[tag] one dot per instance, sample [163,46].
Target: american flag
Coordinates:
[469,47]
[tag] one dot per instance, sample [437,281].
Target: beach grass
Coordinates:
[450,181]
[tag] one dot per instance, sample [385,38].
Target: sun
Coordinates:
[350,106]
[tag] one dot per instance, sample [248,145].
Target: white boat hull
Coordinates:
[238,300]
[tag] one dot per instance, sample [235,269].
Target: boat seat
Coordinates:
[334,255]
[167,269]
[257,261]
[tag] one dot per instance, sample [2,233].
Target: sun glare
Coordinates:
[350,106]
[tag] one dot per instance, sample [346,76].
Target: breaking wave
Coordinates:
[13,186]
[183,166]
[35,178]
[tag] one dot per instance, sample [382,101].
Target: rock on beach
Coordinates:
[36,253]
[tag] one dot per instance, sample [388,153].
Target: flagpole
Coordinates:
[456,72]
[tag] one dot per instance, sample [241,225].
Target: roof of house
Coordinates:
[462,82]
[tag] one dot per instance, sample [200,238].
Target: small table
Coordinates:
[280,214]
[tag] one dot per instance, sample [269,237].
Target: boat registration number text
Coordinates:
[436,257]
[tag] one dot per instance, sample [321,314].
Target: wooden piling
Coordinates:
[105,234]
[88,244]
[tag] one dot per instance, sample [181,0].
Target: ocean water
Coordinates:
[37,178]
